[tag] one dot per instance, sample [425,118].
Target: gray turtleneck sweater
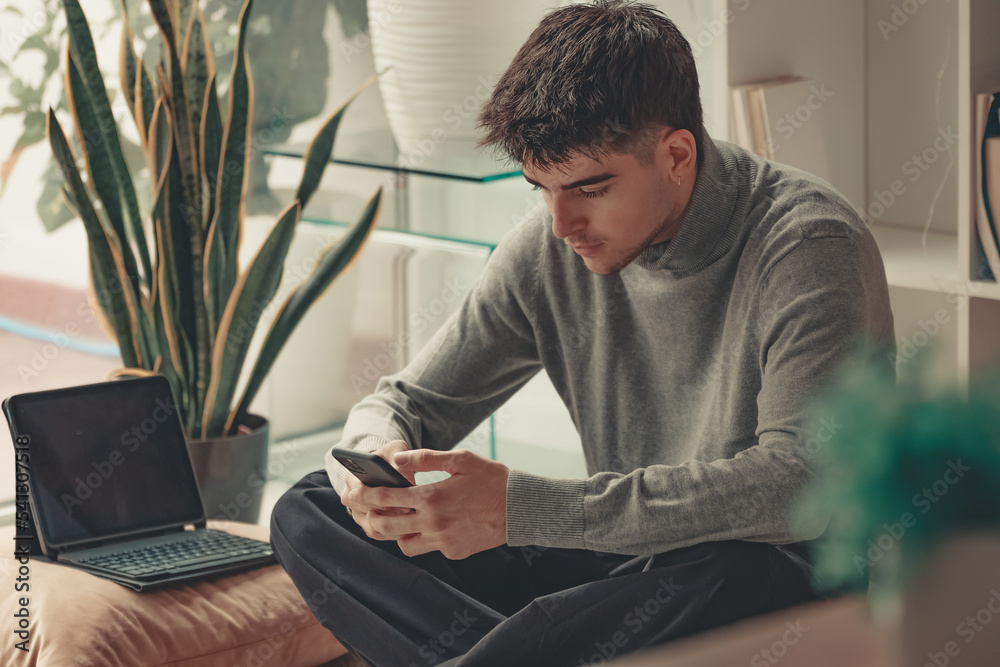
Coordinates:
[685,373]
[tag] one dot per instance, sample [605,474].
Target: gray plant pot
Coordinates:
[231,472]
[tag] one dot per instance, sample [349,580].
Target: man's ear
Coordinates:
[677,151]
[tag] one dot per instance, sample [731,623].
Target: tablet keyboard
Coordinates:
[186,553]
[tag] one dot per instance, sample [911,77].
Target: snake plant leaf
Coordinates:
[163,313]
[136,82]
[255,289]
[97,159]
[210,141]
[145,96]
[183,9]
[162,86]
[335,260]
[321,148]
[165,20]
[160,146]
[68,196]
[159,169]
[107,270]
[197,75]
[94,301]
[127,59]
[215,257]
[171,227]
[173,339]
[82,47]
[181,256]
[231,175]
[181,109]
[94,144]
[184,143]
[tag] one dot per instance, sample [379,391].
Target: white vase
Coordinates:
[445,58]
[950,612]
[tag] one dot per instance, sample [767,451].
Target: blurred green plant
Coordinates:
[170,287]
[908,466]
[43,37]
[291,70]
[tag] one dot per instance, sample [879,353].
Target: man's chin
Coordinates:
[599,264]
[596,265]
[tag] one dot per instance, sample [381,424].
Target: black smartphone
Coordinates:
[371,469]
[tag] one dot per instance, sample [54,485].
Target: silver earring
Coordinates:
[678,180]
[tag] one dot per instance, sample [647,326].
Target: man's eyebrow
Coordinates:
[577,184]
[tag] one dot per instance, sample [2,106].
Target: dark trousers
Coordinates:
[515,605]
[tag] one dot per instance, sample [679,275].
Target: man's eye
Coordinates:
[594,194]
[534,187]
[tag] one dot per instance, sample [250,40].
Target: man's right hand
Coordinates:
[361,511]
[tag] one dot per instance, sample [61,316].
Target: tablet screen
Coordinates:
[106,460]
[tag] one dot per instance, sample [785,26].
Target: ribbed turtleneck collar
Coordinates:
[709,224]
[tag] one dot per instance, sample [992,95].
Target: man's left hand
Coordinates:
[459,516]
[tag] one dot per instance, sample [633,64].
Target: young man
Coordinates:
[685,297]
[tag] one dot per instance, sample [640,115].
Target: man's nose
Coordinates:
[566,219]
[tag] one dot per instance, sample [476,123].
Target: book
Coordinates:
[740,118]
[760,136]
[781,119]
[986,157]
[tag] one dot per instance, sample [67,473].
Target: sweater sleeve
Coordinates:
[814,304]
[481,356]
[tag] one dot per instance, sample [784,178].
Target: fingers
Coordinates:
[426,460]
[389,450]
[375,526]
[363,498]
[415,545]
[392,526]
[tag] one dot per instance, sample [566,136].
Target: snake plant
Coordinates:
[170,286]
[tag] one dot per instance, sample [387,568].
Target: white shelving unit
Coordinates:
[899,129]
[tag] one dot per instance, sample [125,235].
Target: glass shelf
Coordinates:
[376,149]
[469,243]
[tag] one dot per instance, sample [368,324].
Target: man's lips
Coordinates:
[587,250]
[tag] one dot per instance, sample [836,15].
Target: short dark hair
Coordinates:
[594,79]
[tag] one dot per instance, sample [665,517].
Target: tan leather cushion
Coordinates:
[248,619]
